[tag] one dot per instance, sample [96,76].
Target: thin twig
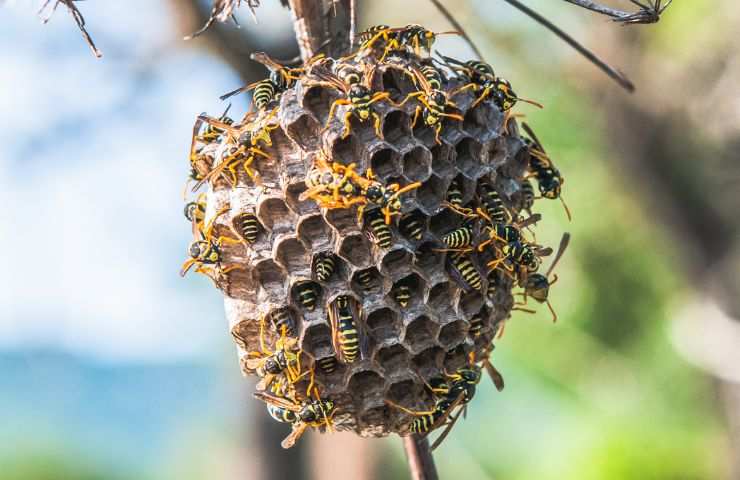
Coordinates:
[419,457]
[618,76]
[446,13]
[648,12]
[79,19]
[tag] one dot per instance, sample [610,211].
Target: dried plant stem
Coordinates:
[618,76]
[419,457]
[595,7]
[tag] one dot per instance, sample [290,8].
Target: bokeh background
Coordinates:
[113,367]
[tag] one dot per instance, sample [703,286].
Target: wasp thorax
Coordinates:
[373,222]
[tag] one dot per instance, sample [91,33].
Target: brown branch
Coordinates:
[419,457]
[648,13]
[616,75]
[77,15]
[309,23]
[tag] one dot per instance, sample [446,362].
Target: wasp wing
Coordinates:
[298,429]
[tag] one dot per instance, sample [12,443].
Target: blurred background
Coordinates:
[113,367]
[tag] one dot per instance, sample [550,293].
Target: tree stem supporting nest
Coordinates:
[419,456]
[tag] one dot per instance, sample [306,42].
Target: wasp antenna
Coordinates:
[531,102]
[565,206]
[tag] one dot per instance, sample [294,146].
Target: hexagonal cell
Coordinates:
[315,232]
[292,197]
[396,262]
[327,267]
[306,294]
[318,100]
[483,117]
[248,227]
[452,334]
[461,191]
[419,333]
[269,275]
[408,291]
[469,157]
[427,363]
[443,159]
[343,220]
[457,357]
[396,125]
[292,255]
[440,296]
[409,394]
[417,164]
[367,281]
[275,215]
[279,319]
[469,304]
[305,131]
[445,221]
[366,386]
[346,151]
[497,152]
[392,359]
[397,83]
[355,249]
[384,163]
[241,284]
[428,259]
[383,324]
[317,341]
[430,194]
[374,416]
[413,225]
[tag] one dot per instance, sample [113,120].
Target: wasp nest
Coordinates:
[367,223]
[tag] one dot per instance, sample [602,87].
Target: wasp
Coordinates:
[480,78]
[248,226]
[491,204]
[365,279]
[201,159]
[434,101]
[388,198]
[402,293]
[323,266]
[195,212]
[378,230]
[327,364]
[455,194]
[206,253]
[358,96]
[314,413]
[284,360]
[333,185]
[412,36]
[283,322]
[280,79]
[349,342]
[476,325]
[465,272]
[538,286]
[308,293]
[412,226]
[527,195]
[460,237]
[548,177]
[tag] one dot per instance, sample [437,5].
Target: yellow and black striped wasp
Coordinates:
[270,365]
[243,148]
[465,272]
[358,96]
[280,79]
[202,147]
[350,342]
[434,101]
[333,185]
[377,229]
[549,179]
[538,286]
[399,39]
[206,253]
[315,413]
[195,212]
[323,266]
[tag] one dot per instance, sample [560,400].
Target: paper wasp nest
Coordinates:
[407,346]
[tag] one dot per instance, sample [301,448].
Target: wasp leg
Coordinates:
[332,110]
[346,123]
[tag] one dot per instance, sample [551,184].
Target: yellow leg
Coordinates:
[347,126]
[377,126]
[437,129]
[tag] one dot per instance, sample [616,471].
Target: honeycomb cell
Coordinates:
[396,262]
[392,359]
[269,275]
[443,160]
[407,393]
[371,384]
[470,157]
[417,164]
[451,334]
[318,100]
[355,249]
[497,153]
[456,358]
[304,131]
[275,215]
[429,260]
[420,333]
[413,226]
[396,126]
[384,163]
[478,119]
[347,151]
[307,295]
[408,291]
[367,281]
[292,198]
[317,340]
[374,415]
[469,304]
[430,194]
[427,363]
[445,221]
[292,255]
[440,296]
[343,220]
[315,232]
[396,82]
[383,325]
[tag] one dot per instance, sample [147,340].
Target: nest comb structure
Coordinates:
[407,346]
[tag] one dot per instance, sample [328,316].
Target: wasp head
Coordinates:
[272,366]
[537,287]
[374,193]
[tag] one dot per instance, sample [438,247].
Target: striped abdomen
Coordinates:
[527,195]
[323,266]
[432,76]
[402,295]
[379,230]
[425,423]
[411,226]
[458,238]
[264,93]
[282,414]
[348,336]
[308,294]
[476,325]
[454,193]
[248,226]
[327,364]
[492,204]
[283,322]
[467,271]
